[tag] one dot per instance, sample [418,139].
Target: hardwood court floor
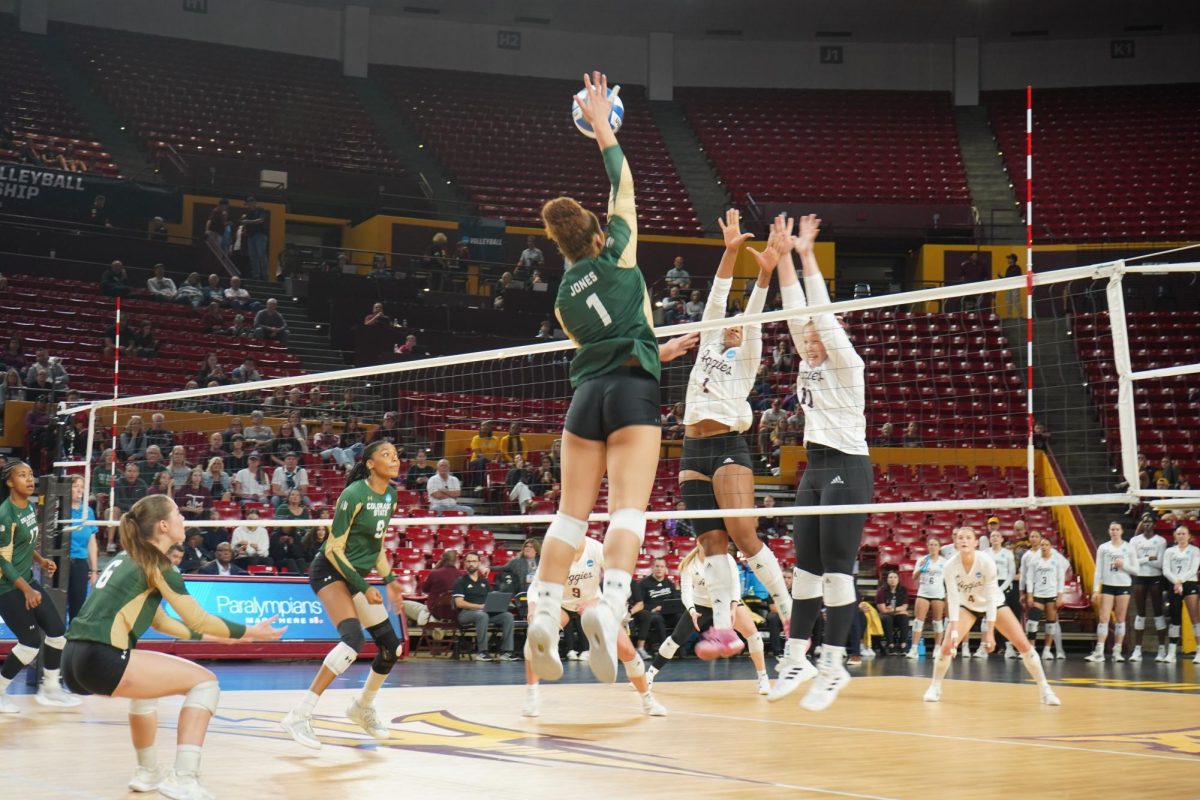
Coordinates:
[720,740]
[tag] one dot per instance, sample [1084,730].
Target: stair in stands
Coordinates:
[98,114]
[699,178]
[307,339]
[991,193]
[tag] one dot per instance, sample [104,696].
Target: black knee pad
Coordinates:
[350,632]
[388,644]
[699,496]
[1035,614]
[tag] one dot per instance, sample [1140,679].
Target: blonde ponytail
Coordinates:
[137,531]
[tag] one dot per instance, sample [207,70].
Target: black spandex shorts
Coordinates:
[1115,591]
[1045,600]
[92,667]
[1154,581]
[605,404]
[322,573]
[1189,588]
[707,454]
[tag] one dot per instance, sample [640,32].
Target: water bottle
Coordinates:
[921,647]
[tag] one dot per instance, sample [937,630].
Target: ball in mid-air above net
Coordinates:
[615,118]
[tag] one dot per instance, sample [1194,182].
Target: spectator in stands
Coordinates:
[287,443]
[217,224]
[769,418]
[250,543]
[161,483]
[886,436]
[217,480]
[694,306]
[531,257]
[40,388]
[277,402]
[287,477]
[912,436]
[891,601]
[437,254]
[656,589]
[130,488]
[519,481]
[512,444]
[678,276]
[252,483]
[294,508]
[258,435]
[235,429]
[409,348]
[175,556]
[53,367]
[287,554]
[190,293]
[247,372]
[313,542]
[354,435]
[296,420]
[255,221]
[673,296]
[1013,299]
[484,450]
[783,357]
[115,282]
[438,585]
[387,430]
[157,231]
[178,466]
[237,456]
[1168,470]
[1041,436]
[239,329]
[153,464]
[237,297]
[213,293]
[470,593]
[419,472]
[772,526]
[537,283]
[98,213]
[11,389]
[545,331]
[211,370]
[328,445]
[270,324]
[132,443]
[223,563]
[193,499]
[377,317]
[523,568]
[675,313]
[212,319]
[348,406]
[444,490]
[70,161]
[195,555]
[14,355]
[678,527]
[160,286]
[673,422]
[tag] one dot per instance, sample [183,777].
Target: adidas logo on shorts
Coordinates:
[727,461]
[837,481]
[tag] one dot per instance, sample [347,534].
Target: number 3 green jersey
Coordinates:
[18,538]
[602,302]
[355,542]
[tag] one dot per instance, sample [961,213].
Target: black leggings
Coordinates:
[25,624]
[684,630]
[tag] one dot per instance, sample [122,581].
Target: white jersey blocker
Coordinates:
[1107,573]
[1150,551]
[1181,566]
[832,395]
[583,579]
[975,589]
[721,378]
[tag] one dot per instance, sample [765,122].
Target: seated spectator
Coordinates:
[675,313]
[175,556]
[14,353]
[161,483]
[439,584]
[238,456]
[160,286]
[532,256]
[287,443]
[69,160]
[235,429]
[252,483]
[103,478]
[891,601]
[270,324]
[132,442]
[783,357]
[512,444]
[40,388]
[1168,469]
[212,319]
[286,552]
[250,543]
[769,418]
[377,317]
[211,370]
[694,307]
[772,526]
[470,593]
[223,563]
[419,472]
[130,488]
[258,435]
[886,436]
[237,297]
[1041,436]
[239,329]
[157,231]
[912,436]
[53,367]
[444,490]
[217,480]
[287,477]
[519,481]
[673,422]
[10,389]
[247,372]
[409,348]
[484,450]
[537,283]
[523,568]
[294,508]
[545,331]
[191,403]
[195,555]
[313,541]
[296,419]
[190,293]
[153,463]
[142,341]
[387,430]
[213,293]
[678,276]
[115,282]
[679,527]
[673,296]
[276,402]
[193,499]
[328,445]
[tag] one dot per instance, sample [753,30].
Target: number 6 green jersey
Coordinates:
[602,302]
[355,542]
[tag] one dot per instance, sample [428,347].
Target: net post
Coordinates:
[1127,424]
[112,475]
[1031,483]
[87,459]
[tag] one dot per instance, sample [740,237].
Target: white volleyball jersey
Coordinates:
[1030,557]
[1006,564]
[583,579]
[1047,576]
[693,589]
[1181,566]
[832,394]
[974,589]
[1150,551]
[722,377]
[1107,572]
[931,585]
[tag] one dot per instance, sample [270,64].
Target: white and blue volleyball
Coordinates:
[615,119]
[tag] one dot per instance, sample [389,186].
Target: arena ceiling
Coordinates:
[808,20]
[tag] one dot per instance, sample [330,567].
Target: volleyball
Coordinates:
[615,119]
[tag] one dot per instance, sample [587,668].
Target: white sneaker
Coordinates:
[832,677]
[1094,656]
[572,655]
[650,673]
[652,707]
[54,697]
[764,685]
[1162,652]
[533,703]
[1169,658]
[1010,651]
[964,651]
[1060,655]
[933,694]
[1118,657]
[1136,655]
[601,630]
[867,652]
[7,706]
[147,780]
[980,653]
[581,656]
[366,718]
[1049,698]
[183,787]
[299,727]
[1048,654]
[542,647]
[912,653]
[791,676]
[1196,660]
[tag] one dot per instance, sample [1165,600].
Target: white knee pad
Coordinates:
[1160,623]
[1139,623]
[755,644]
[24,653]
[838,590]
[668,648]
[140,708]
[57,642]
[805,585]
[567,529]
[918,626]
[627,519]
[203,695]
[339,659]
[1173,632]
[1119,629]
[635,668]
[1101,630]
[939,625]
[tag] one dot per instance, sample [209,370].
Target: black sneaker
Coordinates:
[483,657]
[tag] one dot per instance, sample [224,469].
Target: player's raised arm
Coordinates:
[838,347]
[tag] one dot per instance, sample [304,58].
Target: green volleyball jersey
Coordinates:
[602,302]
[18,538]
[355,542]
[124,604]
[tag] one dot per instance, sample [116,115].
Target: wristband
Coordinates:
[389,578]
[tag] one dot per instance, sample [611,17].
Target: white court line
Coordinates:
[819,790]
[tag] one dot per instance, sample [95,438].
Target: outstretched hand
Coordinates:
[731,229]
[674,348]
[779,244]
[810,228]
[596,103]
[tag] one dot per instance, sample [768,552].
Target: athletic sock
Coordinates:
[307,703]
[1058,642]
[1033,665]
[795,649]
[720,582]
[51,678]
[616,592]
[187,759]
[4,682]
[147,757]
[941,665]
[549,600]
[371,688]
[766,568]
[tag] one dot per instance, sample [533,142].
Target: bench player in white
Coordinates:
[1148,584]
[1116,564]
[581,591]
[972,589]
[931,594]
[1053,629]
[1043,578]
[1181,564]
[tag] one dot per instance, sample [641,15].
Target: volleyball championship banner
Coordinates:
[485,236]
[68,195]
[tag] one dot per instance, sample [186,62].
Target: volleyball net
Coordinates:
[981,399]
